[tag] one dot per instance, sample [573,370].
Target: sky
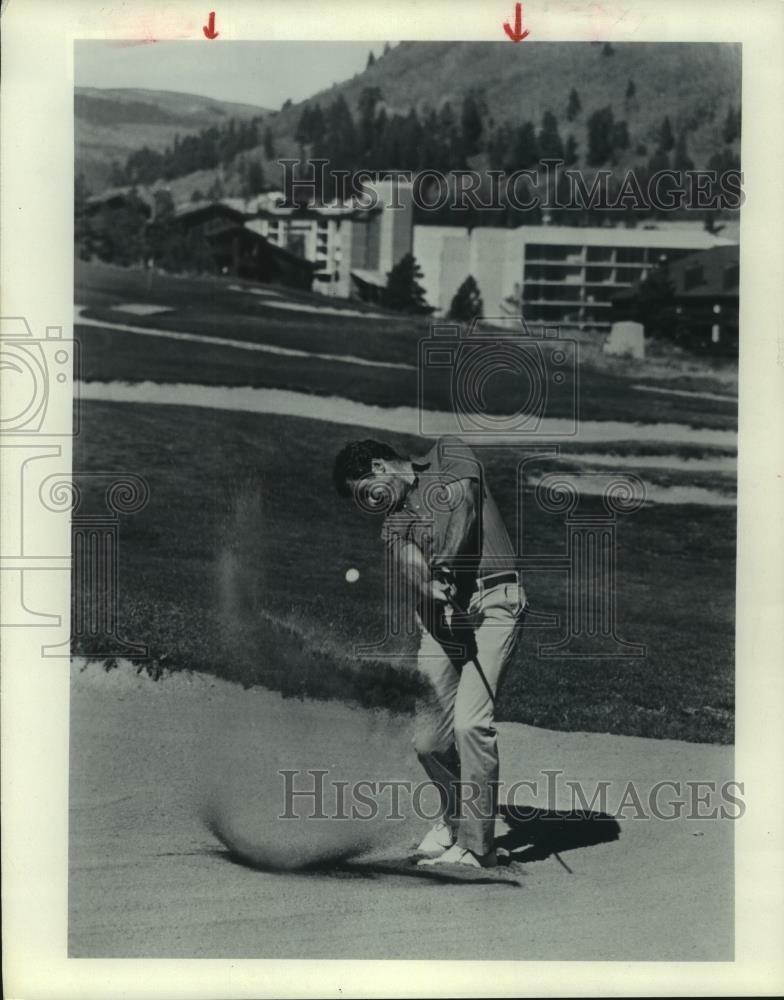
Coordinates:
[252,72]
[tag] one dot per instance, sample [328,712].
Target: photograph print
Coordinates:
[404,506]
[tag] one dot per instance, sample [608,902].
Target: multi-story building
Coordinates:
[559,274]
[341,239]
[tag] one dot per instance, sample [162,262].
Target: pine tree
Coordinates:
[451,138]
[666,137]
[550,144]
[269,145]
[366,107]
[655,304]
[215,191]
[254,179]
[525,148]
[620,136]
[600,131]
[371,60]
[121,232]
[570,153]
[387,48]
[403,291]
[467,302]
[471,124]
[82,221]
[658,162]
[681,160]
[731,129]
[117,177]
[498,146]
[573,107]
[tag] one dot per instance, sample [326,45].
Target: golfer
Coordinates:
[451,544]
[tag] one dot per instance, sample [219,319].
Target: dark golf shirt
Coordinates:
[438,495]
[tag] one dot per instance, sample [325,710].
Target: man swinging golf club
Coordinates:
[449,540]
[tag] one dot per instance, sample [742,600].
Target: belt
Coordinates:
[496,580]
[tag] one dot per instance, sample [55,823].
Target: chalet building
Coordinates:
[240,250]
[118,197]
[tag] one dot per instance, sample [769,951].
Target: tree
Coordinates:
[525,148]
[550,144]
[82,224]
[471,125]
[608,50]
[116,175]
[631,91]
[371,60]
[121,232]
[403,291]
[498,146]
[573,107]
[666,137]
[731,129]
[655,304]
[215,191]
[451,137]
[620,136]
[467,302]
[254,179]
[366,106]
[658,162]
[600,132]
[387,48]
[681,160]
[164,206]
[269,145]
[570,153]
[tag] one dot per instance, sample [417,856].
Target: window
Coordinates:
[630,255]
[693,276]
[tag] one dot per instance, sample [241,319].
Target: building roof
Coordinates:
[208,208]
[616,236]
[375,278]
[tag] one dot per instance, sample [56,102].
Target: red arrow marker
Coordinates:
[517,34]
[209,28]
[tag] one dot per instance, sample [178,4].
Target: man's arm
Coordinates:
[418,574]
[463,511]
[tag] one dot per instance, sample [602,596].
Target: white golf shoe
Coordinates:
[437,840]
[460,856]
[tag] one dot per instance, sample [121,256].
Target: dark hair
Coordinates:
[353,462]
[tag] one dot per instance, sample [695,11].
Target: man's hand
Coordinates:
[441,591]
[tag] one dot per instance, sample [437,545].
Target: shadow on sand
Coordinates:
[536,834]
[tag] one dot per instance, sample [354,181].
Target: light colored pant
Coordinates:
[454,735]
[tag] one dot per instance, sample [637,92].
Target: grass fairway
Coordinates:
[236,568]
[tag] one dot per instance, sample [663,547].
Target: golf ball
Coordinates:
[352,575]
